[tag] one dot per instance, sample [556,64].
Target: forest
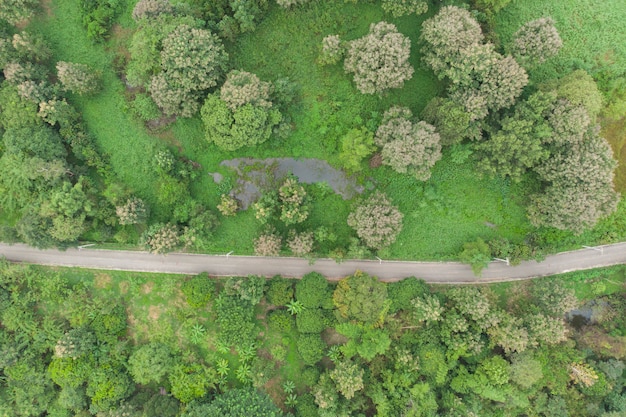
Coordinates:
[401,129]
[346,129]
[76,343]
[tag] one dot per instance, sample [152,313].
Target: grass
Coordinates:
[125,141]
[453,207]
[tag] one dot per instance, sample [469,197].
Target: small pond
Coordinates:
[255,175]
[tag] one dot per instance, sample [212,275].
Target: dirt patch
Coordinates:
[154,312]
[274,390]
[147,287]
[46,6]
[331,337]
[161,123]
[124,286]
[102,280]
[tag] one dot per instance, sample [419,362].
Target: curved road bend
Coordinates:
[432,272]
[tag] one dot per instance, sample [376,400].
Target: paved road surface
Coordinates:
[433,272]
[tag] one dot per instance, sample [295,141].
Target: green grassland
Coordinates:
[456,205]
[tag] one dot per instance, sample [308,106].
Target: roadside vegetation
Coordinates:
[79,342]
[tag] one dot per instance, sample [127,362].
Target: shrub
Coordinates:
[77,78]
[332,50]
[15,11]
[300,244]
[198,290]
[279,291]
[148,9]
[267,244]
[376,221]
[228,205]
[399,8]
[312,290]
[133,212]
[356,145]
[310,320]
[311,348]
[477,254]
[235,321]
[248,288]
[190,382]
[161,238]
[293,200]
[144,108]
[150,363]
[280,321]
[380,59]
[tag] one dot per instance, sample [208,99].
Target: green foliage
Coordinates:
[110,322]
[401,293]
[311,348]
[311,320]
[235,321]
[106,387]
[362,297]
[356,145]
[247,125]
[399,8]
[198,290]
[98,16]
[150,363]
[248,289]
[280,321]
[279,291]
[313,290]
[376,221]
[236,403]
[477,254]
[191,381]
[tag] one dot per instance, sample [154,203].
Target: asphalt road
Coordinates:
[222,265]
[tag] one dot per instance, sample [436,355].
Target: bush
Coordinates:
[312,290]
[144,108]
[150,363]
[380,59]
[311,320]
[133,212]
[149,9]
[78,78]
[267,245]
[332,50]
[242,87]
[536,41]
[248,288]
[198,290]
[279,291]
[235,321]
[161,238]
[399,8]
[300,244]
[228,205]
[280,321]
[311,348]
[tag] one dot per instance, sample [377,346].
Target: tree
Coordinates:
[348,376]
[191,381]
[161,238]
[150,363]
[149,9]
[477,254]
[293,199]
[279,291]
[247,125]
[242,402]
[77,78]
[402,292]
[427,308]
[192,60]
[228,205]
[332,50]
[311,320]
[300,244]
[132,212]
[242,87]
[198,290]
[408,147]
[362,297]
[451,121]
[268,244]
[536,41]
[380,59]
[525,370]
[553,297]
[312,290]
[376,221]
[545,330]
[106,387]
[34,141]
[15,11]
[248,288]
[579,186]
[356,145]
[579,88]
[311,348]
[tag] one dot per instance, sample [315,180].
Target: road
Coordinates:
[222,265]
